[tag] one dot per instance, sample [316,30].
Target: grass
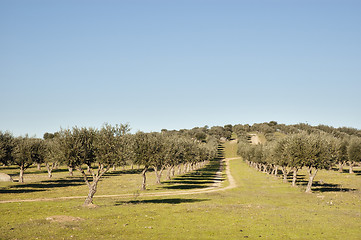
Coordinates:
[261,207]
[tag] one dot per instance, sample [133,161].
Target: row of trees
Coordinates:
[311,150]
[204,134]
[269,128]
[94,151]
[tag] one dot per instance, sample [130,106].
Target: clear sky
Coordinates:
[178,64]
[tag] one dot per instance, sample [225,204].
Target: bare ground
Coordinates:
[255,139]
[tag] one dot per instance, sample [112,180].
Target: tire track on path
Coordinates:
[214,188]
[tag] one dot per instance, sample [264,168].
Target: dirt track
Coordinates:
[255,139]
[214,188]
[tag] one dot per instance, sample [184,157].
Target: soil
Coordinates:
[255,139]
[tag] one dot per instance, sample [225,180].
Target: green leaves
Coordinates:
[354,150]
[28,151]
[6,147]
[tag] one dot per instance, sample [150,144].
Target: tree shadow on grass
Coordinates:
[319,186]
[163,201]
[200,178]
[7,190]
[357,172]
[193,178]
[185,186]
[43,185]
[52,184]
[333,189]
[44,171]
[120,172]
[190,181]
[8,167]
[299,176]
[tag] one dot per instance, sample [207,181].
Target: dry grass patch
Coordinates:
[63,219]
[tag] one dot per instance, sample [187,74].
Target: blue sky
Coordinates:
[178,64]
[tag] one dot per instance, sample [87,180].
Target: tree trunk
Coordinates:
[157,174]
[285,174]
[21,175]
[114,167]
[276,170]
[172,172]
[351,167]
[311,178]
[340,167]
[169,173]
[70,171]
[49,169]
[161,173]
[179,169]
[294,179]
[93,186]
[92,191]
[38,166]
[144,179]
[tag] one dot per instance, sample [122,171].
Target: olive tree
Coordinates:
[97,149]
[342,154]
[26,152]
[354,152]
[281,156]
[6,147]
[317,150]
[52,154]
[146,150]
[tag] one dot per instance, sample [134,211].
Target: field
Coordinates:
[259,207]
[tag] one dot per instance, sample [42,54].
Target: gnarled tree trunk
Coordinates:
[143,187]
[92,191]
[170,172]
[351,167]
[21,175]
[173,171]
[158,174]
[70,171]
[294,178]
[50,169]
[179,169]
[311,178]
[340,167]
[285,172]
[93,186]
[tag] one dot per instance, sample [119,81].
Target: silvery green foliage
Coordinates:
[354,150]
[6,147]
